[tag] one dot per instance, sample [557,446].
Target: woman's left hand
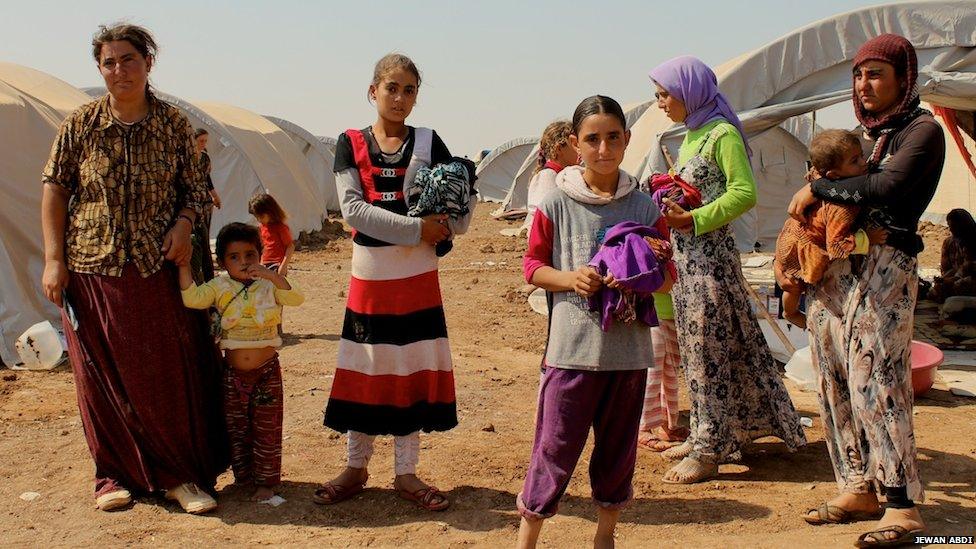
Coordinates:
[176,243]
[677,217]
[802,200]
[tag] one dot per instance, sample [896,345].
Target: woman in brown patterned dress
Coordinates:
[860,318]
[121,194]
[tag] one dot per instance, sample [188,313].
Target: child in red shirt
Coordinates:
[275,234]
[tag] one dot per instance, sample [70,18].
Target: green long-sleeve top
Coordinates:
[740,187]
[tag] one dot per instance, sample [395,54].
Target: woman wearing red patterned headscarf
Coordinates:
[861,313]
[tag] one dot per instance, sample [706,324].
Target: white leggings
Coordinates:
[406,451]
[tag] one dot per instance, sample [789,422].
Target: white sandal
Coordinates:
[192,499]
[114,500]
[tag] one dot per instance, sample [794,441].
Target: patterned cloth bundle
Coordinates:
[443,189]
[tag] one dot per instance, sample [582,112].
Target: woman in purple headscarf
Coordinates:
[736,391]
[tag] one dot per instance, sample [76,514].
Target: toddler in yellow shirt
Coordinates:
[248,299]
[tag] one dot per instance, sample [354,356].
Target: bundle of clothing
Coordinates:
[679,191]
[630,259]
[443,189]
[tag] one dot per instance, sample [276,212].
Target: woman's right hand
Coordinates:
[434,229]
[54,280]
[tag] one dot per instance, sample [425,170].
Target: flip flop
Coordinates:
[429,499]
[832,514]
[905,537]
[330,494]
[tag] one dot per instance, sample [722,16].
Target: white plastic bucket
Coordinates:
[39,348]
[800,370]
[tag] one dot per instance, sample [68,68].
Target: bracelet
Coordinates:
[186,217]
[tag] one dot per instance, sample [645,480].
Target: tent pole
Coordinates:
[769,318]
[667,156]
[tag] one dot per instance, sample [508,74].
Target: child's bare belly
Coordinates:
[248,359]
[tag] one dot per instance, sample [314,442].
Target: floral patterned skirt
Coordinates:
[860,320]
[736,392]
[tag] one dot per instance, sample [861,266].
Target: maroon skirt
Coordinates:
[148,382]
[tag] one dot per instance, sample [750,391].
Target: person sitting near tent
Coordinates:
[555,154]
[803,252]
[861,319]
[122,192]
[958,265]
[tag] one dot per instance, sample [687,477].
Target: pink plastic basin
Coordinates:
[925,363]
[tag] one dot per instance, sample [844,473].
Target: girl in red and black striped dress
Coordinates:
[394,374]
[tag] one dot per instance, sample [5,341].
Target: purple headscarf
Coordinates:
[694,84]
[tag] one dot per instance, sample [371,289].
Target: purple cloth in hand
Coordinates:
[632,262]
[658,197]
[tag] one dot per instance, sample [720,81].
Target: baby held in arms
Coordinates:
[804,251]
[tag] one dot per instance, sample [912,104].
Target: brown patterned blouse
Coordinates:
[127,183]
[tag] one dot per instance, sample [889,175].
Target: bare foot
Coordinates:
[606,524]
[262,493]
[679,452]
[528,534]
[690,471]
[798,319]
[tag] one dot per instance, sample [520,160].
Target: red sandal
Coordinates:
[429,499]
[330,494]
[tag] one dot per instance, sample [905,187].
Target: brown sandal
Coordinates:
[429,499]
[832,514]
[330,494]
[905,537]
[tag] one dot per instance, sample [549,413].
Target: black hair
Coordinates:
[597,104]
[200,131]
[237,232]
[963,227]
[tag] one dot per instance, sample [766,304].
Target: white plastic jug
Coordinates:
[800,370]
[39,348]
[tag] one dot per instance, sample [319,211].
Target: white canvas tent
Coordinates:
[810,69]
[251,155]
[518,192]
[499,167]
[319,157]
[329,143]
[32,106]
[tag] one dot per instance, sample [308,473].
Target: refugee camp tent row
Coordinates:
[32,106]
[516,197]
[320,158]
[498,168]
[251,155]
[810,69]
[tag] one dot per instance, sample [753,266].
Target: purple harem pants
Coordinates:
[570,401]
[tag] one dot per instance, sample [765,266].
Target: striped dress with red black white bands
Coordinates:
[394,372]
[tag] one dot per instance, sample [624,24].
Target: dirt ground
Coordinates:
[496,342]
